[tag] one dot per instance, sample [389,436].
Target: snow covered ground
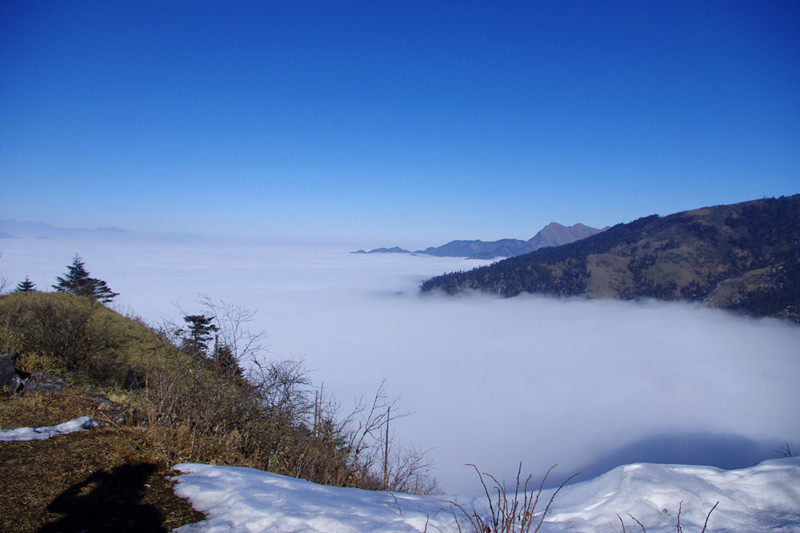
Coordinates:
[45,432]
[762,498]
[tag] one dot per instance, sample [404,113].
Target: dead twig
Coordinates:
[397,503]
[705,525]
[640,524]
[509,514]
[621,523]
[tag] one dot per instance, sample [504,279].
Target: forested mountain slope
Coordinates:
[743,256]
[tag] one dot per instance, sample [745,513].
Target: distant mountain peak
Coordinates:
[555,234]
[554,225]
[392,250]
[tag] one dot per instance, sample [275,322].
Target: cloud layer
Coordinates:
[585,384]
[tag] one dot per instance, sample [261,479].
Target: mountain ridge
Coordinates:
[24,229]
[554,234]
[743,257]
[16,229]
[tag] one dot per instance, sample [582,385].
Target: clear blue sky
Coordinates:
[392,122]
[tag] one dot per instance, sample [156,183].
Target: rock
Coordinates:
[101,401]
[32,386]
[49,378]
[9,376]
[41,382]
[22,382]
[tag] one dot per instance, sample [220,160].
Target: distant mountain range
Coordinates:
[743,256]
[19,229]
[15,229]
[554,234]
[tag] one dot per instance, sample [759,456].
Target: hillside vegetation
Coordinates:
[160,401]
[743,257]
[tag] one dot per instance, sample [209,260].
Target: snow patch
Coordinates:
[45,432]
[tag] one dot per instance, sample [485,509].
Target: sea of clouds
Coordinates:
[588,384]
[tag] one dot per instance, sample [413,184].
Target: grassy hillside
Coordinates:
[157,405]
[743,256]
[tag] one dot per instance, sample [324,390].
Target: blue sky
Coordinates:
[384,123]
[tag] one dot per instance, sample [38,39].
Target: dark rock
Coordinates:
[101,400]
[38,386]
[41,382]
[21,382]
[9,376]
[49,378]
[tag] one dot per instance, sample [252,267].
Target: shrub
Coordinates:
[510,513]
[61,333]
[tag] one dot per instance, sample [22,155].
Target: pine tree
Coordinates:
[102,293]
[77,281]
[26,286]
[201,331]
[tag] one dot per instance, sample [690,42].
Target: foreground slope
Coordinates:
[157,401]
[743,256]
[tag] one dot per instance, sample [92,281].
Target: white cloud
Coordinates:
[491,381]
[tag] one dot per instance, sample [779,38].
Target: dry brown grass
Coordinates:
[111,478]
[40,409]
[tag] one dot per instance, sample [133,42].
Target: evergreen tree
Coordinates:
[201,331]
[102,293]
[77,281]
[26,286]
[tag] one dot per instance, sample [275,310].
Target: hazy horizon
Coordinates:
[31,229]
